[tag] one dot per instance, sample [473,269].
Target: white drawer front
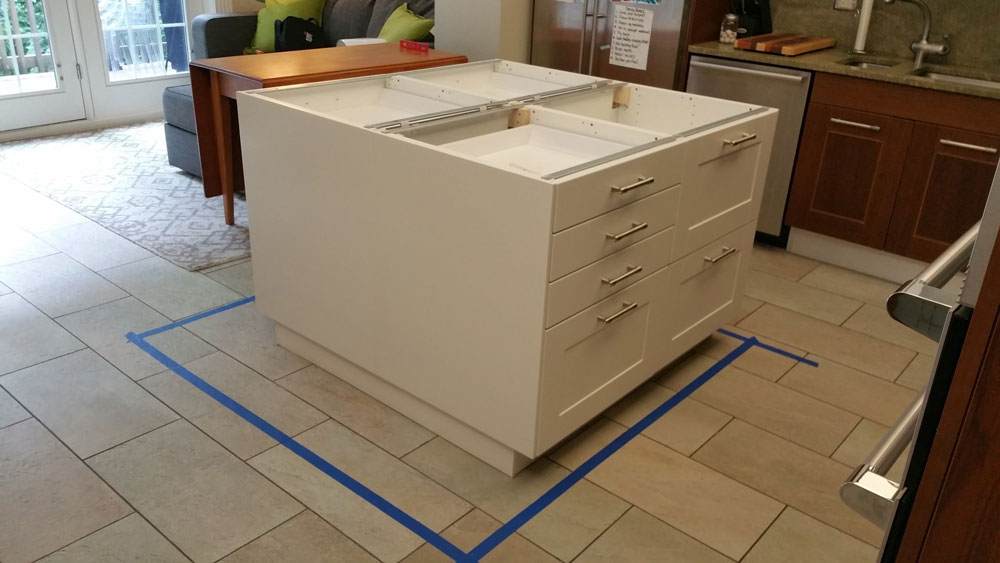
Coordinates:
[586,243]
[605,277]
[588,364]
[619,185]
[704,294]
[723,182]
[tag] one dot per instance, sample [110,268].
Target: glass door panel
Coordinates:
[143,38]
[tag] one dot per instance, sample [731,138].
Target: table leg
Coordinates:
[223,110]
[207,124]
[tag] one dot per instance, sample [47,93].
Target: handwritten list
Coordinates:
[630,35]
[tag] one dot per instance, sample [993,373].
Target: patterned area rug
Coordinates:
[120,178]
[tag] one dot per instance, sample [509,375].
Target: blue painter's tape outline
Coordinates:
[389,509]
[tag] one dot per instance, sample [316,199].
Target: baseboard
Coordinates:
[876,263]
[77,126]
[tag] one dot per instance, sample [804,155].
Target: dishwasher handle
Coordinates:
[748,71]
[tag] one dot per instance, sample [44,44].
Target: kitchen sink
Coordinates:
[868,63]
[944,76]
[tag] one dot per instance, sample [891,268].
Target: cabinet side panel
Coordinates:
[421,267]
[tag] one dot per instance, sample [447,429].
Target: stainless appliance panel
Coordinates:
[561,34]
[664,45]
[782,88]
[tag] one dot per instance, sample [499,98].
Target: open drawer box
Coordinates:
[468,232]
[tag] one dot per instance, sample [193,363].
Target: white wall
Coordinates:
[484,29]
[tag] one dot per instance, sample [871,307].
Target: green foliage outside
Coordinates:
[31,46]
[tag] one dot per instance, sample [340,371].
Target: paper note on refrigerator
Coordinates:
[630,34]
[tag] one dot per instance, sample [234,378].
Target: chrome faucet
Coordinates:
[923,47]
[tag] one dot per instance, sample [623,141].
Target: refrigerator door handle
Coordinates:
[583,34]
[593,35]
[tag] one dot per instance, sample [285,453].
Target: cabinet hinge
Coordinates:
[79,72]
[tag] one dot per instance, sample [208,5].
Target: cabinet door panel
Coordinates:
[943,189]
[847,174]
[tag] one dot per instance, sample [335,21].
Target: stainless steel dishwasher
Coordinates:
[782,88]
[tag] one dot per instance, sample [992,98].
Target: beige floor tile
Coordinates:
[201,497]
[238,278]
[244,333]
[470,531]
[788,472]
[918,373]
[684,428]
[807,300]
[10,411]
[759,361]
[841,345]
[4,290]
[857,286]
[94,246]
[28,337]
[415,494]
[639,537]
[747,305]
[34,212]
[702,503]
[169,289]
[17,245]
[860,443]
[782,411]
[307,538]
[876,322]
[129,539]
[854,391]
[574,520]
[796,538]
[104,327]
[357,410]
[584,445]
[59,285]
[58,499]
[779,262]
[679,375]
[85,401]
[565,528]
[272,403]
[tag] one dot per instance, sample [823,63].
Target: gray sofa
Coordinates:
[225,35]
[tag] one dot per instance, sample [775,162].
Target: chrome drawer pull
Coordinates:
[636,227]
[628,308]
[638,184]
[875,128]
[979,148]
[726,251]
[629,272]
[734,142]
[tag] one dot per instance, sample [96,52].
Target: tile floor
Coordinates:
[105,456]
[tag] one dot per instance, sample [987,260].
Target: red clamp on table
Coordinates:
[414,46]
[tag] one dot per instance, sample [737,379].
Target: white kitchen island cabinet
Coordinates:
[499,251]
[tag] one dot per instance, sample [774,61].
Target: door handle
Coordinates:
[583,34]
[636,227]
[629,272]
[726,251]
[978,148]
[839,121]
[640,182]
[746,137]
[738,70]
[593,36]
[626,309]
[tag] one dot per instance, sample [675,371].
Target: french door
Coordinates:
[39,81]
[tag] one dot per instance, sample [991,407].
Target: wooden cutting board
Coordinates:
[788,44]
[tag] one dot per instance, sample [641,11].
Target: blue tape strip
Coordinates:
[776,350]
[411,523]
[586,467]
[197,317]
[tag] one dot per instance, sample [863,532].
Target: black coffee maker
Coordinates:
[755,16]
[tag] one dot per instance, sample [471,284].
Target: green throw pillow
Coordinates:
[276,10]
[404,24]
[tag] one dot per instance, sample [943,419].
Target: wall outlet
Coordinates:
[846,5]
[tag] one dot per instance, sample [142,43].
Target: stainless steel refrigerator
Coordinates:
[634,41]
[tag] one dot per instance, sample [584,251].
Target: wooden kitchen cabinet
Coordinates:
[892,167]
[942,191]
[847,174]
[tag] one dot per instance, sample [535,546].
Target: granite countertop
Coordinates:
[898,72]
